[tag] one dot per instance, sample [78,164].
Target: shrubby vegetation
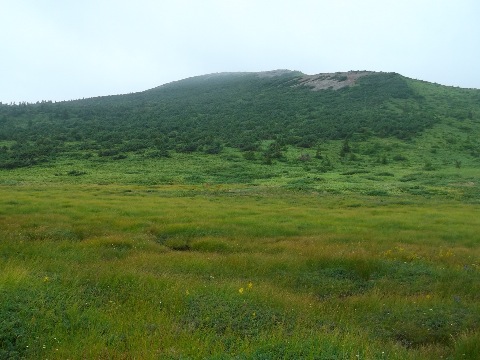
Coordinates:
[240,110]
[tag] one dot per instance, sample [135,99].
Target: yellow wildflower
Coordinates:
[240,290]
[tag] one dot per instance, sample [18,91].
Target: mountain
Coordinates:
[243,111]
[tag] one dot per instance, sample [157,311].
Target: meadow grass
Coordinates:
[235,271]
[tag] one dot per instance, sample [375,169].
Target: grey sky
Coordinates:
[62,49]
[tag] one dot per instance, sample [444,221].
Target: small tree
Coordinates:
[249,155]
[304,157]
[274,151]
[345,148]
[326,165]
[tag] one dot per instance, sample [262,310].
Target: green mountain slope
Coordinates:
[361,132]
[238,110]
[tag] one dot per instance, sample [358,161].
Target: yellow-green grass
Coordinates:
[112,271]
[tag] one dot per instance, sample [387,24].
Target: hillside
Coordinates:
[358,123]
[233,109]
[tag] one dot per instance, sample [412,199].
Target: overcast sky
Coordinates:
[70,49]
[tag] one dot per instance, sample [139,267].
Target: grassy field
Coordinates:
[113,270]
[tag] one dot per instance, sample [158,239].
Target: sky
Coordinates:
[70,49]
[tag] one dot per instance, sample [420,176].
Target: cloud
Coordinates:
[71,49]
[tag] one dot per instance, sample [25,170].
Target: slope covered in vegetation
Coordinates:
[239,110]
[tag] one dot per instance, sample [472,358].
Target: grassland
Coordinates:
[106,261]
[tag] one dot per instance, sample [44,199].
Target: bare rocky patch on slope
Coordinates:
[332,81]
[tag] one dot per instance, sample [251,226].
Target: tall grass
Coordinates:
[111,271]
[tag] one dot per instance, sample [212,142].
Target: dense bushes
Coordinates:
[208,112]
